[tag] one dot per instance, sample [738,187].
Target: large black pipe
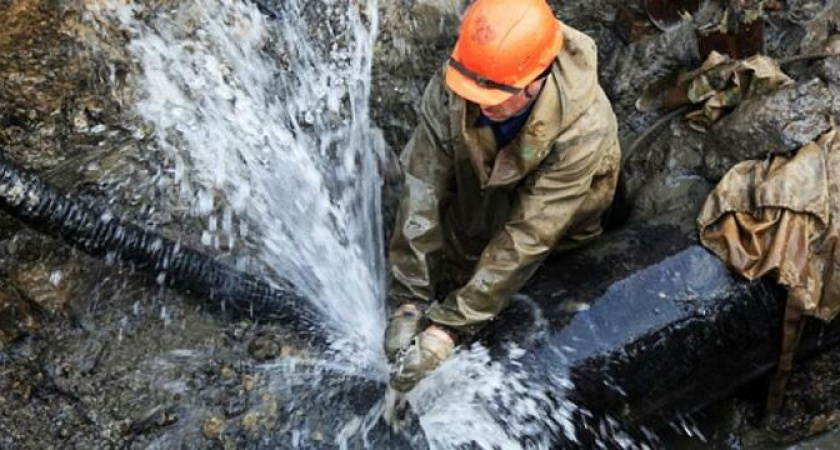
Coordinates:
[649,325]
[89,229]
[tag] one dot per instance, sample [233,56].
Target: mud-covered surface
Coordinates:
[116,363]
[93,356]
[45,113]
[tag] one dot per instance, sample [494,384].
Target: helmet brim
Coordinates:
[468,89]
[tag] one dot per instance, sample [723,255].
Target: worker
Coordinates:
[516,155]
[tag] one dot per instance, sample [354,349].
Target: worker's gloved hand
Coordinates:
[429,350]
[406,322]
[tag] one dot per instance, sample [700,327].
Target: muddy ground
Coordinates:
[94,356]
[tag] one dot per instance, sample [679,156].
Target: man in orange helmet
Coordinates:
[516,155]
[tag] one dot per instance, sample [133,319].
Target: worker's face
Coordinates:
[514,105]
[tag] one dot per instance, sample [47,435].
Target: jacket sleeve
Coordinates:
[544,209]
[427,164]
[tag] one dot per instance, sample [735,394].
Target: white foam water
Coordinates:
[264,126]
[263,130]
[475,401]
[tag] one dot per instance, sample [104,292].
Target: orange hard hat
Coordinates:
[503,46]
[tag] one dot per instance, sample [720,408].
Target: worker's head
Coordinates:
[503,47]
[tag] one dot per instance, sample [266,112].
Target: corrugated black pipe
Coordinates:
[87,228]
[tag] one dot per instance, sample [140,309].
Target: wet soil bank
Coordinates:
[94,356]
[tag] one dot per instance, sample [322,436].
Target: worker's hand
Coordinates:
[406,322]
[429,350]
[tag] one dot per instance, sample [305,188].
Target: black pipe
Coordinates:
[649,325]
[87,228]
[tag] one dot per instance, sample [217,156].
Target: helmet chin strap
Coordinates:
[481,80]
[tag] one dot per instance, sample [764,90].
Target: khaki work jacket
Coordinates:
[493,215]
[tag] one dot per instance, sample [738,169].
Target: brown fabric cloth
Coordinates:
[717,87]
[782,217]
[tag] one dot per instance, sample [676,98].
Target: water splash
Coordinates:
[479,401]
[267,139]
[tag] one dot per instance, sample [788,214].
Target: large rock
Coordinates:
[777,123]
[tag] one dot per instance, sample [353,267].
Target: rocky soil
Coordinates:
[95,356]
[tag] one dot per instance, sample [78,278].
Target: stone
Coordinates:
[249,382]
[263,417]
[250,422]
[671,195]
[227,373]
[824,422]
[213,427]
[777,123]
[264,348]
[828,69]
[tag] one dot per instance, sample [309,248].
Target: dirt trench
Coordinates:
[95,356]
